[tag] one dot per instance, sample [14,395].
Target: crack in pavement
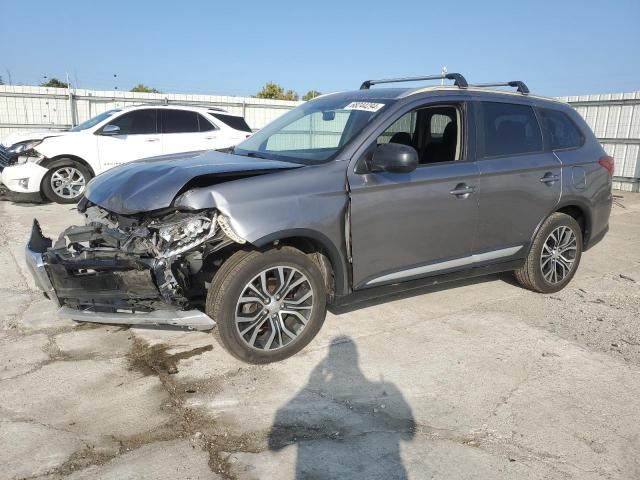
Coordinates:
[148,360]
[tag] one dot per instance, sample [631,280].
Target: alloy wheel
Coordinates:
[68,182]
[558,255]
[274,308]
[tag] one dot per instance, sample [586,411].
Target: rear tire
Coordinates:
[246,292]
[66,181]
[554,255]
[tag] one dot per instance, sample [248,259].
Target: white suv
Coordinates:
[59,164]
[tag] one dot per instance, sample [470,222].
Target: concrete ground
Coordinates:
[476,379]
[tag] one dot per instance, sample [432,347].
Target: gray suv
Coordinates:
[349,196]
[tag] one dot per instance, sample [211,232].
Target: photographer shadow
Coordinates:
[343,424]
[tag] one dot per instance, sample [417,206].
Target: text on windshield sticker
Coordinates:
[365,106]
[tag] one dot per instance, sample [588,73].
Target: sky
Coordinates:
[561,47]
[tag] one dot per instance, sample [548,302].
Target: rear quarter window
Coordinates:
[237,123]
[510,129]
[562,132]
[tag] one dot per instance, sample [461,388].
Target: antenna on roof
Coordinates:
[458,80]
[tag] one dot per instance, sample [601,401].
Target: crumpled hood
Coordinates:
[153,183]
[18,137]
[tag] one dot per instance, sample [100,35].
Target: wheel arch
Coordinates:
[581,215]
[576,209]
[75,158]
[311,241]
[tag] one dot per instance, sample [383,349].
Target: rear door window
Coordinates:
[179,121]
[561,130]
[510,129]
[138,122]
[205,125]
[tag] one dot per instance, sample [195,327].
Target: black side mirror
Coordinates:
[110,130]
[394,158]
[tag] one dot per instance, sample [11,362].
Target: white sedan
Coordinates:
[59,164]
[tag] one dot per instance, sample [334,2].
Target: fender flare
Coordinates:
[336,256]
[75,158]
[571,202]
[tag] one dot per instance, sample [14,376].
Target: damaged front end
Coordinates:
[145,269]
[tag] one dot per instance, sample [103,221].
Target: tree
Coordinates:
[55,83]
[1,81]
[141,87]
[311,94]
[276,92]
[291,95]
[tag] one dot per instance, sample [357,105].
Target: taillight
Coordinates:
[608,163]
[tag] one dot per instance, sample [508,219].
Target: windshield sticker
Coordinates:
[365,106]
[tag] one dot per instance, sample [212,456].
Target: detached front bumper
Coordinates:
[103,289]
[37,245]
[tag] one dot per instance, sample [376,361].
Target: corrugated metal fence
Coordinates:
[614,118]
[34,108]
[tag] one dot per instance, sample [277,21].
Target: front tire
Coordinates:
[267,305]
[554,256]
[65,182]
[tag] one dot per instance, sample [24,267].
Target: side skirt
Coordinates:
[385,290]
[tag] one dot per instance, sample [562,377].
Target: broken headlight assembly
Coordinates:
[24,152]
[181,235]
[21,147]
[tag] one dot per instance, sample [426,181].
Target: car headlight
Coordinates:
[23,146]
[181,235]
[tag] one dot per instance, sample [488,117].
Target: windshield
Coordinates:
[95,120]
[314,132]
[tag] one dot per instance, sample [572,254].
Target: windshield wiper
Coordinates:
[256,155]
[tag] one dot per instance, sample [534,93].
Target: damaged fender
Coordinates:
[309,203]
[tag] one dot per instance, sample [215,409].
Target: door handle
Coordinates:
[210,138]
[462,190]
[152,139]
[549,178]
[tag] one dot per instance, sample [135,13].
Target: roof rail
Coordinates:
[520,86]
[174,103]
[458,80]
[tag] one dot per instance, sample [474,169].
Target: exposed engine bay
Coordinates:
[118,263]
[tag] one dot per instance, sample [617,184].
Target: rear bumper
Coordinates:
[103,290]
[594,240]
